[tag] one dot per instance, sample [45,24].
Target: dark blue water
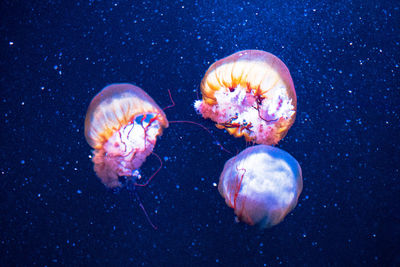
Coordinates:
[55,56]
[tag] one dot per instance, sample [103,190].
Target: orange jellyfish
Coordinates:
[250,94]
[122,124]
[262,184]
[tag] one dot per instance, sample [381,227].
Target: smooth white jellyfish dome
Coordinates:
[262,184]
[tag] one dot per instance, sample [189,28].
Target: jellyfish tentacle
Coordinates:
[131,187]
[154,174]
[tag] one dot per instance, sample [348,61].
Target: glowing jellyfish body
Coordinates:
[262,184]
[250,94]
[122,124]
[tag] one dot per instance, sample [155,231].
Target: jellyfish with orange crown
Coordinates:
[122,125]
[250,94]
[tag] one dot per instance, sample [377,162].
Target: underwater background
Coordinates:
[57,55]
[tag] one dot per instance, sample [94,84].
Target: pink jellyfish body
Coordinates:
[122,125]
[250,94]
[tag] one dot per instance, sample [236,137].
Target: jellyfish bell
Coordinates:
[122,125]
[250,94]
[262,184]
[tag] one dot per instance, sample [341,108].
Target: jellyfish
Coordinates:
[250,94]
[262,184]
[122,125]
